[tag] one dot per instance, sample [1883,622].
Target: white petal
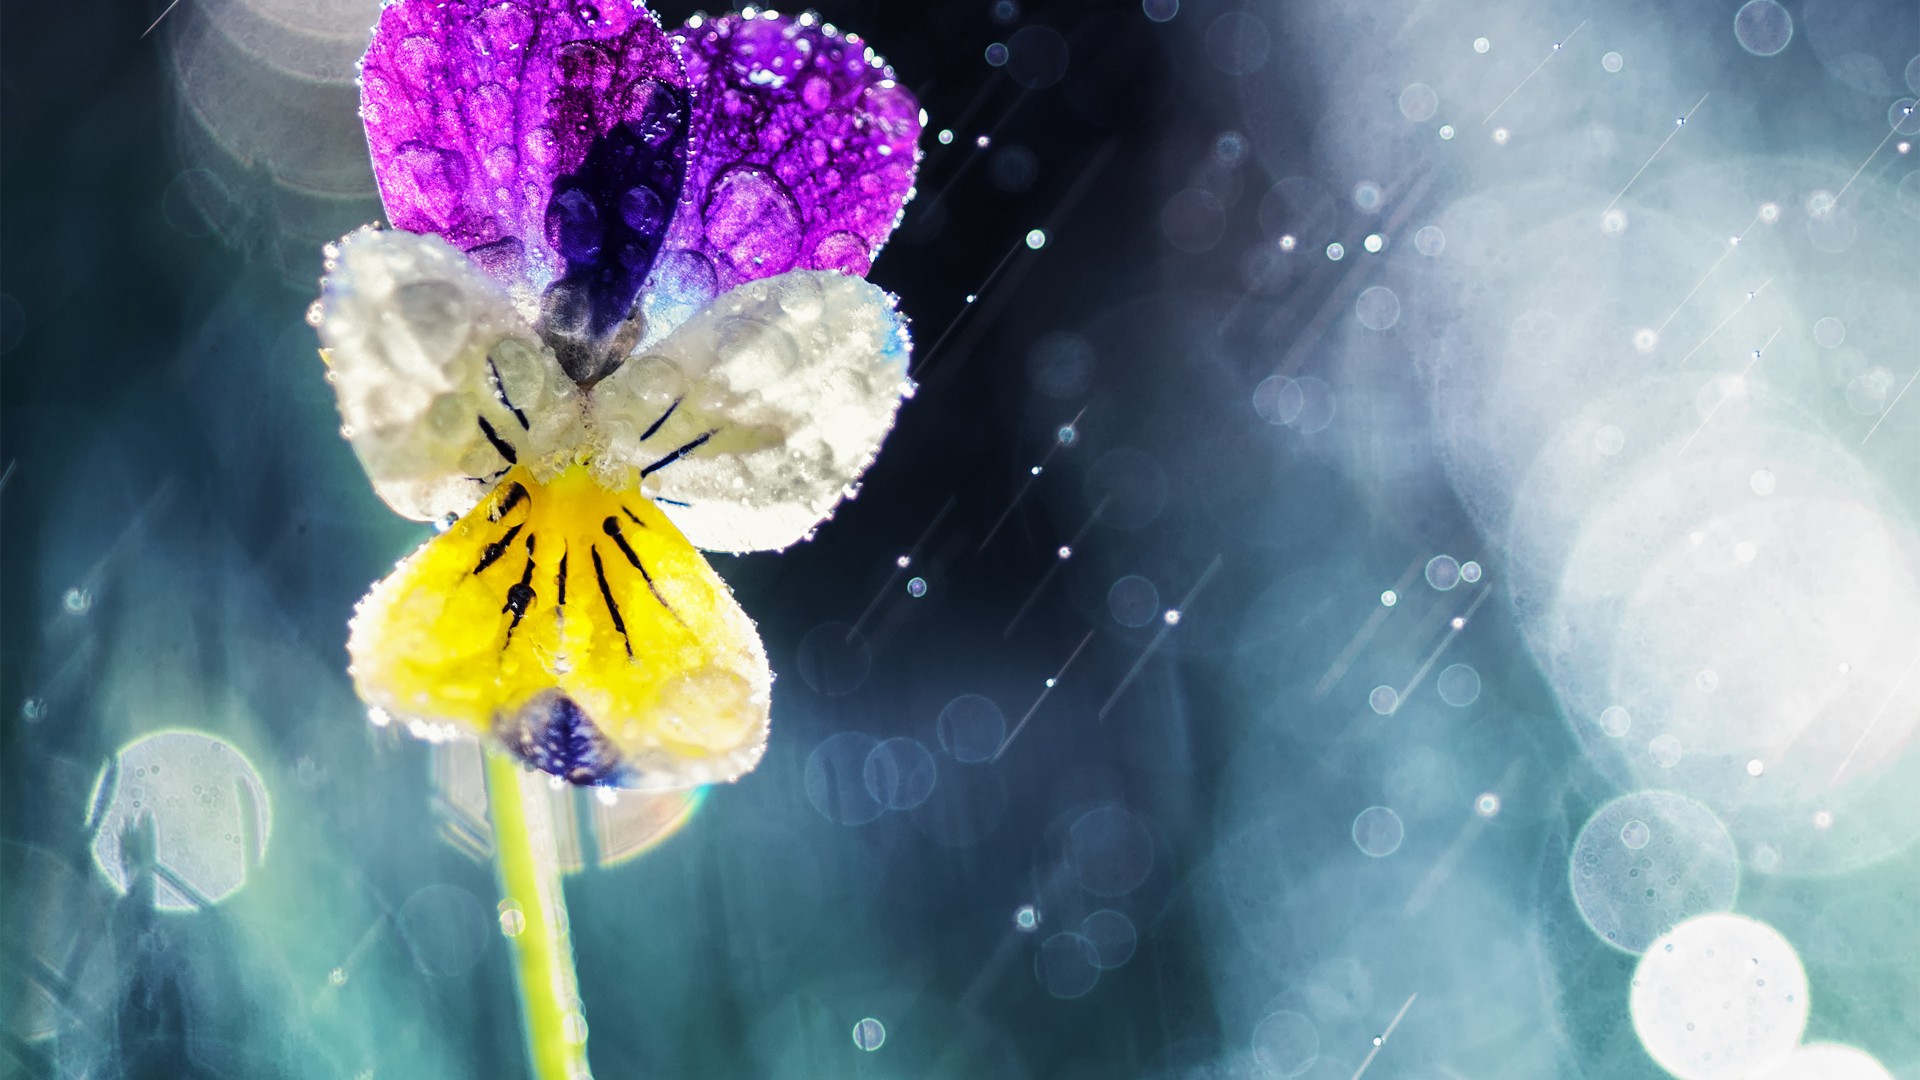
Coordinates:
[792,380]
[426,355]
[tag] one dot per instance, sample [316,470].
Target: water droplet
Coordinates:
[1037,239]
[1172,617]
[753,222]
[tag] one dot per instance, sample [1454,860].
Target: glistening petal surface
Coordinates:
[440,383]
[547,138]
[804,153]
[751,421]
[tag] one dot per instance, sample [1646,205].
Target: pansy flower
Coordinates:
[620,316]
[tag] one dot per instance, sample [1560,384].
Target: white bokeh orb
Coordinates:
[1719,997]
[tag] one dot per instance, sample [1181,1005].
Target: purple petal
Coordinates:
[547,138]
[804,151]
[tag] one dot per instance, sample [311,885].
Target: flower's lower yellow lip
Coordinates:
[579,628]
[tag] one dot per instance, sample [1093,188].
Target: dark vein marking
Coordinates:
[673,457]
[521,596]
[515,495]
[612,528]
[670,502]
[606,593]
[631,518]
[648,434]
[562,600]
[503,446]
[500,391]
[498,548]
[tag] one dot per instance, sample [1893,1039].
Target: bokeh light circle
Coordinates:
[189,806]
[1763,27]
[1418,102]
[1111,851]
[1067,965]
[1378,832]
[1646,862]
[1133,601]
[1828,1061]
[834,659]
[899,773]
[1719,997]
[971,728]
[1458,685]
[1113,938]
[1286,1043]
[1377,308]
[835,779]
[445,928]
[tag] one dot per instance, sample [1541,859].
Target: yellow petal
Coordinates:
[580,629]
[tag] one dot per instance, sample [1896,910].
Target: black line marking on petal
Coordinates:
[503,446]
[669,502]
[561,601]
[673,457]
[648,434]
[498,548]
[631,518]
[500,391]
[606,593]
[612,527]
[521,596]
[515,495]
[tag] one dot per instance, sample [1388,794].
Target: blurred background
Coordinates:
[1402,563]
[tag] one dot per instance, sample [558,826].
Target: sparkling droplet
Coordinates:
[1172,617]
[903,561]
[1036,239]
[917,587]
[1389,598]
[946,136]
[1065,552]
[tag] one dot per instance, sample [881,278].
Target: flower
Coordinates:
[620,315]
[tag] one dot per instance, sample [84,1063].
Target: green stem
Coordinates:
[524,855]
